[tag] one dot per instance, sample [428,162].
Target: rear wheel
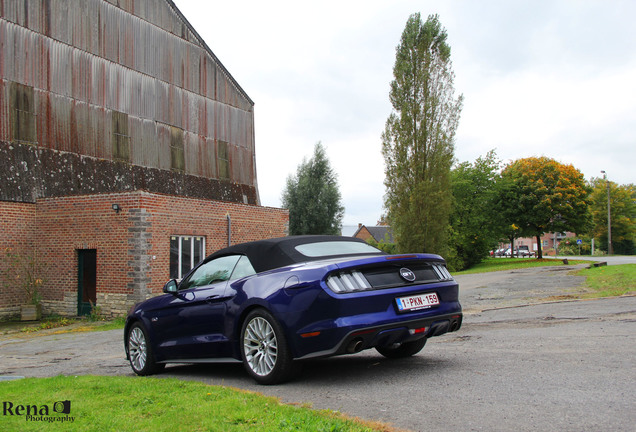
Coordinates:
[405,349]
[265,352]
[140,354]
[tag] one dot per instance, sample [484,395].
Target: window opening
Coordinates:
[223,160]
[121,138]
[23,116]
[185,253]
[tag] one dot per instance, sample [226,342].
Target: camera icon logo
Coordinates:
[62,407]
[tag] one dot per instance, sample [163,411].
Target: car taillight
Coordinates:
[347,282]
[442,272]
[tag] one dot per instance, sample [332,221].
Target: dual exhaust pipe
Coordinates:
[355,346]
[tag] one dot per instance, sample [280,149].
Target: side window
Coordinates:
[217,270]
[243,268]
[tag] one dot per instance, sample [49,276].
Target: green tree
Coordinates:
[313,198]
[623,215]
[540,195]
[473,231]
[418,140]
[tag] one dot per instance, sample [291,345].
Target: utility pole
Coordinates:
[609,216]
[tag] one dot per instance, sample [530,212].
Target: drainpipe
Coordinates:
[229,229]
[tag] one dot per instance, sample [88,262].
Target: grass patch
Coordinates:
[162,404]
[64,324]
[117,323]
[499,264]
[49,323]
[610,281]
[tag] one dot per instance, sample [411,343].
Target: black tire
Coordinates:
[406,349]
[264,349]
[140,355]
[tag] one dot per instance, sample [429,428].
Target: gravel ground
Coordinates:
[509,288]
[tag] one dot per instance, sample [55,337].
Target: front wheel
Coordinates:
[406,349]
[265,352]
[140,354]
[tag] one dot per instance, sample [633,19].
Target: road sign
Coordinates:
[579,241]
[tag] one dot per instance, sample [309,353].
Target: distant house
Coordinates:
[127,151]
[549,242]
[377,233]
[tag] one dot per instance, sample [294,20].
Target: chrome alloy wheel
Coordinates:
[260,346]
[137,349]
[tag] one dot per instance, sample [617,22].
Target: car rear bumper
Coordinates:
[358,338]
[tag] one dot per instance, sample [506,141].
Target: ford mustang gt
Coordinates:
[271,304]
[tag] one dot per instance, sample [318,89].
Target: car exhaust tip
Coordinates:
[355,346]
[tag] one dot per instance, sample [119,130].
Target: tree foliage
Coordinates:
[313,198]
[418,141]
[623,215]
[540,195]
[474,228]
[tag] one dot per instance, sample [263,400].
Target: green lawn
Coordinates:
[497,264]
[609,281]
[60,325]
[157,404]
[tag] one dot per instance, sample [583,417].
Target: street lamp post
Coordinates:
[609,216]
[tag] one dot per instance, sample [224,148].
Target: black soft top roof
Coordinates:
[279,252]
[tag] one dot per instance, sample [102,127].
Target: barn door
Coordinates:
[87,280]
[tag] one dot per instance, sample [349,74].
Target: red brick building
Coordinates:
[549,242]
[127,151]
[377,233]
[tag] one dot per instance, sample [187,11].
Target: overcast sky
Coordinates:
[539,78]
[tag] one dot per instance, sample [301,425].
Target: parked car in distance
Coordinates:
[524,251]
[272,304]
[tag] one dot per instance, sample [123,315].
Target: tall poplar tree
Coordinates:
[313,198]
[623,215]
[418,141]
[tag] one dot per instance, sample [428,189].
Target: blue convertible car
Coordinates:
[273,303]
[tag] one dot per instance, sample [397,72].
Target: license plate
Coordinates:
[421,301]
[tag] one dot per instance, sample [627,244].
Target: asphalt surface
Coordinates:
[527,358]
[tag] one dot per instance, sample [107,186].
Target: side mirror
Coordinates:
[171,287]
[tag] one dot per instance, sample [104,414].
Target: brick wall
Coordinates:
[67,224]
[17,235]
[133,246]
[363,233]
[183,216]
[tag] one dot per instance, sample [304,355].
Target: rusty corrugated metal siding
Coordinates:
[92,60]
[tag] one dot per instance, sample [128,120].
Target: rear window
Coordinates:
[334,248]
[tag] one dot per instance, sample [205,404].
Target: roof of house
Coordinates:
[379,233]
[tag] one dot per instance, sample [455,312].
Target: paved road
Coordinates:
[555,366]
